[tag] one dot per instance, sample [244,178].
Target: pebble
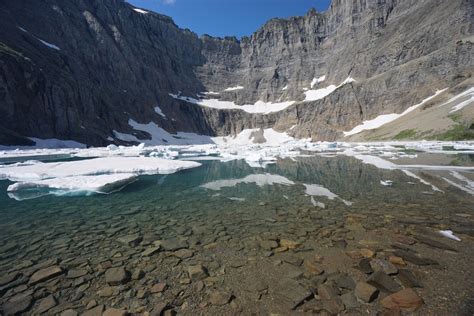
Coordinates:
[219,298]
[158,288]
[365,292]
[116,276]
[115,312]
[197,272]
[313,267]
[46,304]
[151,251]
[130,240]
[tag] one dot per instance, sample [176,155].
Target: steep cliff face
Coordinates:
[82,69]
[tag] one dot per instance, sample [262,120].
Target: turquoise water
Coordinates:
[85,228]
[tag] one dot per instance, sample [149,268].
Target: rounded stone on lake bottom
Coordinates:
[115,312]
[406,299]
[116,276]
[220,298]
[197,272]
[366,292]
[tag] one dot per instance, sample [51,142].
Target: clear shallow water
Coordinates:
[224,226]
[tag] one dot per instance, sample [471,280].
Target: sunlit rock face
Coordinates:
[79,70]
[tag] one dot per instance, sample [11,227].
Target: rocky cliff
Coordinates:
[82,69]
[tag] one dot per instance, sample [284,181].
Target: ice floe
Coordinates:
[105,183]
[387,118]
[99,175]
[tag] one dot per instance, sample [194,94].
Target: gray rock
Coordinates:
[17,304]
[219,298]
[383,282]
[292,292]
[96,311]
[349,300]
[384,266]
[151,251]
[46,304]
[117,276]
[408,279]
[130,240]
[69,312]
[173,244]
[197,272]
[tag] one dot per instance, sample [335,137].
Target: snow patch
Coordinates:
[318,94]
[468,93]
[140,11]
[317,80]
[257,107]
[159,111]
[387,118]
[234,88]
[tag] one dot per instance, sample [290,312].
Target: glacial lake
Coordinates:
[262,239]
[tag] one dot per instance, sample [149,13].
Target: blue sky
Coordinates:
[228,17]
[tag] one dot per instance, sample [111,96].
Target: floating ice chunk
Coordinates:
[386,183]
[317,80]
[87,184]
[140,11]
[97,166]
[234,88]
[258,179]
[159,111]
[449,234]
[387,118]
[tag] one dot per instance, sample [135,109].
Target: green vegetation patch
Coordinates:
[405,134]
[458,132]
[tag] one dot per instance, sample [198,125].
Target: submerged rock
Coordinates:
[117,276]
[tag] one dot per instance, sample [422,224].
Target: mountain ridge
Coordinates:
[115,64]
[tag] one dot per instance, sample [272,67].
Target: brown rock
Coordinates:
[313,267]
[96,311]
[45,274]
[197,272]
[289,244]
[366,292]
[158,288]
[220,298]
[115,312]
[116,276]
[406,299]
[397,260]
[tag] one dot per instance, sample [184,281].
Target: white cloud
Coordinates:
[169,1]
